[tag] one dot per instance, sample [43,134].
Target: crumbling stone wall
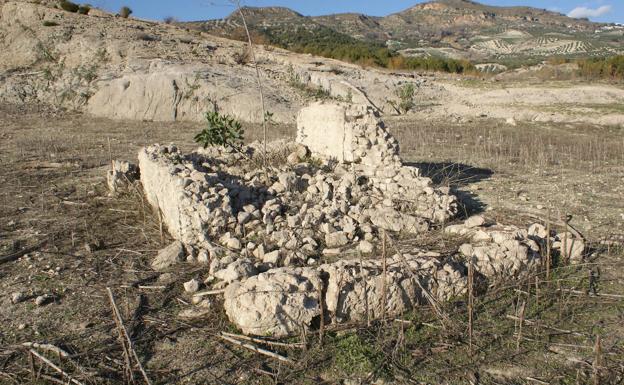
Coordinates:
[285,301]
[354,135]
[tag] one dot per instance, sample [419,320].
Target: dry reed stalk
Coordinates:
[520,323]
[261,341]
[363,279]
[540,325]
[385,272]
[208,293]
[110,155]
[432,301]
[31,362]
[564,246]
[597,361]
[560,291]
[536,290]
[258,79]
[53,366]
[123,335]
[470,302]
[256,349]
[548,246]
[322,323]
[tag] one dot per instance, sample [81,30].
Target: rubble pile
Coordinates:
[221,202]
[295,240]
[497,251]
[286,301]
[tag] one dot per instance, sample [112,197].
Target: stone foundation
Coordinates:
[301,233]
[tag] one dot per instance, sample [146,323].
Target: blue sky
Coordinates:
[600,10]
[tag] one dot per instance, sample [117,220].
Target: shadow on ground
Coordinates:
[456,176]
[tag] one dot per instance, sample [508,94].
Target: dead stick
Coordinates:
[521,321]
[31,361]
[530,322]
[470,301]
[322,309]
[18,254]
[261,341]
[597,361]
[208,292]
[257,349]
[56,350]
[53,366]
[548,250]
[536,290]
[125,334]
[385,272]
[425,292]
[563,223]
[578,292]
[53,379]
[48,347]
[128,373]
[365,292]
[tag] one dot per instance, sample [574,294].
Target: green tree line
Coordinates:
[602,68]
[327,43]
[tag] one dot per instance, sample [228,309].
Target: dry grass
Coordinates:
[52,187]
[503,147]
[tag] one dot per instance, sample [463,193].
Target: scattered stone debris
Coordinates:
[122,175]
[18,297]
[191,286]
[169,256]
[570,247]
[279,302]
[497,251]
[43,300]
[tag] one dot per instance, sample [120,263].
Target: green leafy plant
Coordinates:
[69,6]
[125,12]
[268,118]
[405,94]
[221,130]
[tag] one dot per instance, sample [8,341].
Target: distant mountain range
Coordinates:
[458,29]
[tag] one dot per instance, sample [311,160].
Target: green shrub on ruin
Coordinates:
[220,130]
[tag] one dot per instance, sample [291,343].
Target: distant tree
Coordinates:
[125,12]
[84,9]
[69,6]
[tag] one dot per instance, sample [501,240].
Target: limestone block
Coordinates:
[324,130]
[279,303]
[169,256]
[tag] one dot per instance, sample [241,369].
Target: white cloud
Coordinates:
[580,12]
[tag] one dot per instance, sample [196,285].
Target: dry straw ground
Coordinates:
[562,329]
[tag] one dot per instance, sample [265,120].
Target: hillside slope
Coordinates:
[131,69]
[478,32]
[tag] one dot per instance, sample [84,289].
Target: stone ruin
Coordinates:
[298,240]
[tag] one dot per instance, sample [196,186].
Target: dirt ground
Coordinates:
[55,203]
